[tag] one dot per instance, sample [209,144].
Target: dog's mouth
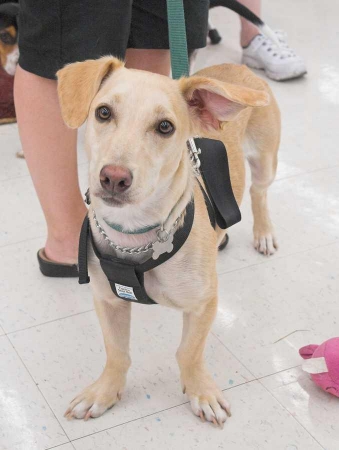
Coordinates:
[115,200]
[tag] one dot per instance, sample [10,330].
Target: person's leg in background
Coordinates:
[50,151]
[248,30]
[156,61]
[279,62]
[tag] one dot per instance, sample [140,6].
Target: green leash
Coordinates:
[177,38]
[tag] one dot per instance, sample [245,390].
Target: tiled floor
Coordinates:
[50,341]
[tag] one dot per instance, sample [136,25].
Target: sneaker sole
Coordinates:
[276,76]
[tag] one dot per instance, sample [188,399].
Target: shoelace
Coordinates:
[282,52]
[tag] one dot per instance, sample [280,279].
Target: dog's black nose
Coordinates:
[115,179]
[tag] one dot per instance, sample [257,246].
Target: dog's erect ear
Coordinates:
[213,101]
[78,83]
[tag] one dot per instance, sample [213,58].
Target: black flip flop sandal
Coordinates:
[224,243]
[54,269]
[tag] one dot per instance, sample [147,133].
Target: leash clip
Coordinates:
[194,155]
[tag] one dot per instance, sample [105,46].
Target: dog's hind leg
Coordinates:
[207,400]
[114,315]
[263,137]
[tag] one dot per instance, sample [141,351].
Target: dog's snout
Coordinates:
[115,179]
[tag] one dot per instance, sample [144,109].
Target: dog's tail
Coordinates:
[247,14]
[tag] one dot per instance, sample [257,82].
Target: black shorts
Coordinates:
[53,33]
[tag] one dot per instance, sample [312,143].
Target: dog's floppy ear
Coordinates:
[78,84]
[212,101]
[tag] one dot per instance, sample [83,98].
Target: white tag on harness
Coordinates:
[125,292]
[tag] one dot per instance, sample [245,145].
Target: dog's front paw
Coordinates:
[207,400]
[265,243]
[96,398]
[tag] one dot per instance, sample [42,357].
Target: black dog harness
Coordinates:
[127,278]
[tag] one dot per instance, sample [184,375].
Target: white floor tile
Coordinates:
[66,356]
[258,423]
[27,297]
[27,423]
[260,305]
[316,410]
[305,214]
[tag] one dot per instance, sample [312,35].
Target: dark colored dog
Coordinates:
[9,52]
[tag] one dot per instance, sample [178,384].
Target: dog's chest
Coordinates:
[174,284]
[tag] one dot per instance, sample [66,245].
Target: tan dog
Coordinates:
[140,174]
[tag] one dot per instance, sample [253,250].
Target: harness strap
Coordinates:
[82,255]
[125,277]
[216,175]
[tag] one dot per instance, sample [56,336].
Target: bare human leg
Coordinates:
[156,61]
[50,150]
[248,30]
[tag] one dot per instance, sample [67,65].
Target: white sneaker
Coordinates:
[278,62]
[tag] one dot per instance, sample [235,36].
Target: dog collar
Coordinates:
[143,230]
[119,228]
[163,243]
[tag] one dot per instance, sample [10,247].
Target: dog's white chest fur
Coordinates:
[188,290]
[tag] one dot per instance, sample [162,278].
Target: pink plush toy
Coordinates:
[323,364]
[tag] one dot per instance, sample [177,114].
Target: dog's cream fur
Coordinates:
[226,102]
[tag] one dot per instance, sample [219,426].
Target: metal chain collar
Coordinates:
[136,250]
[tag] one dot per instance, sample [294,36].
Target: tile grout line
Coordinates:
[276,258]
[304,173]
[255,378]
[23,241]
[49,321]
[154,413]
[58,446]
[114,426]
[38,388]
[181,404]
[259,380]
[286,409]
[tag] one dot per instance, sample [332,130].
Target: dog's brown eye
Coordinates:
[103,113]
[165,127]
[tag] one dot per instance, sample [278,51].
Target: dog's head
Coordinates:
[9,52]
[138,124]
